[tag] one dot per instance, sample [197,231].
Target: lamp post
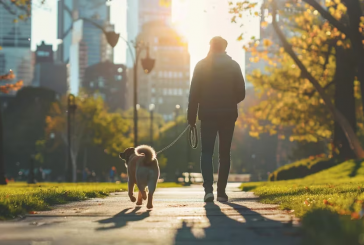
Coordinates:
[176,114]
[148,65]
[151,110]
[71,109]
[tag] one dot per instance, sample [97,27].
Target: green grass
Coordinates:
[20,198]
[329,202]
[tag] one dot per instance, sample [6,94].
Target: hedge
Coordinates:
[302,168]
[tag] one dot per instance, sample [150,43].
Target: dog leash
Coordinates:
[192,138]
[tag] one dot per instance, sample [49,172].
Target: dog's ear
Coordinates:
[122,155]
[127,153]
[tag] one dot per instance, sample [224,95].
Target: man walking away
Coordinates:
[217,87]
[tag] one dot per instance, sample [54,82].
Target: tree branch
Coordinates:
[7,8]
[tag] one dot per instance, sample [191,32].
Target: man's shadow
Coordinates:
[245,226]
[121,219]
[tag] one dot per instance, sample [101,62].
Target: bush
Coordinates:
[302,168]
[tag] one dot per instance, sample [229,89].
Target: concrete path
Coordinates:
[179,217]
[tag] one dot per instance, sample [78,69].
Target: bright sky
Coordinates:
[199,20]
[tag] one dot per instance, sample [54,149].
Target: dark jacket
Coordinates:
[217,87]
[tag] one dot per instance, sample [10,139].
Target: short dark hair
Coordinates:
[218,44]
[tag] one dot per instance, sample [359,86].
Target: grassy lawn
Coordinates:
[329,202]
[21,198]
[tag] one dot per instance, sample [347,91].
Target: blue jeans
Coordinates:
[209,130]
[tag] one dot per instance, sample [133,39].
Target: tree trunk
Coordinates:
[2,163]
[344,100]
[354,12]
[337,115]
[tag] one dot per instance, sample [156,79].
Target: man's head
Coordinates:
[218,45]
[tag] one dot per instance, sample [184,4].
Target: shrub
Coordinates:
[302,168]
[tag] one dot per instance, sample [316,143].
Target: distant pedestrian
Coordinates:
[217,87]
[86,175]
[112,174]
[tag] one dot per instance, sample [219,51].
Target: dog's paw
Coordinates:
[149,206]
[139,203]
[132,199]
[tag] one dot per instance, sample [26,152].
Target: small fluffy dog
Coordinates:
[143,170]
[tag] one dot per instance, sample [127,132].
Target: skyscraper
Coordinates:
[85,36]
[141,12]
[151,10]
[107,80]
[47,73]
[15,41]
[168,84]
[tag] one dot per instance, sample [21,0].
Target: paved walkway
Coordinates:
[179,217]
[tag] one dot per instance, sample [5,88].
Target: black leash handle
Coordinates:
[193,137]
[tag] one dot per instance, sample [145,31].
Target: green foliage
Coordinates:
[144,123]
[93,125]
[40,148]
[302,168]
[24,123]
[162,160]
[20,198]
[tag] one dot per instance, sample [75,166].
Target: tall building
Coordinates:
[141,12]
[98,50]
[71,10]
[168,83]
[78,28]
[48,73]
[109,81]
[152,10]
[15,42]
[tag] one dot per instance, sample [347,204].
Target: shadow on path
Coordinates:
[243,226]
[121,219]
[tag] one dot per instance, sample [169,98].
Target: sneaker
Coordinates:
[222,197]
[209,197]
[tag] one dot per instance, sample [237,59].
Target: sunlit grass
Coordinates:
[21,198]
[329,202]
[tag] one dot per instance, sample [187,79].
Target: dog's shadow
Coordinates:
[121,219]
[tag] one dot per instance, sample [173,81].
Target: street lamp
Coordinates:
[148,65]
[176,114]
[151,110]
[71,109]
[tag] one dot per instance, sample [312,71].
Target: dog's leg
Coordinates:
[150,200]
[140,199]
[131,190]
[144,194]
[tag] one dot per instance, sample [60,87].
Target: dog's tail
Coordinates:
[146,151]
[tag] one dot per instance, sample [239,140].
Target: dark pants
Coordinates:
[209,130]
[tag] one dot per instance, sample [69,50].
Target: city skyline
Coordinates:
[184,16]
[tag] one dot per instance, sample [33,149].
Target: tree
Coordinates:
[5,89]
[93,126]
[313,37]
[21,9]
